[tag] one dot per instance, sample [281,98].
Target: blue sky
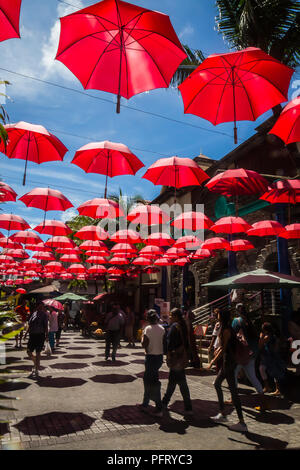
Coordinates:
[63,112]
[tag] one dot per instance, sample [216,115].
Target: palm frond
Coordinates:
[193,60]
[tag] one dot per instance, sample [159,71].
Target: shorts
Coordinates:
[36,342]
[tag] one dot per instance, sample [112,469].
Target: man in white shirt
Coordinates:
[153,342]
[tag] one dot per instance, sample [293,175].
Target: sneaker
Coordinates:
[219,418]
[239,427]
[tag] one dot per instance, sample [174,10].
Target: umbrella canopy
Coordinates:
[96,245]
[256,280]
[285,191]
[16,253]
[148,215]
[164,262]
[92,232]
[265,228]
[287,126]
[32,143]
[141,261]
[237,86]
[70,259]
[25,236]
[159,239]
[174,253]
[96,260]
[125,249]
[99,208]
[216,243]
[107,158]
[182,261]
[70,296]
[20,290]
[203,253]
[238,182]
[189,242]
[192,221]
[126,236]
[53,303]
[56,228]
[115,271]
[60,242]
[151,251]
[290,232]
[230,225]
[54,266]
[176,172]
[97,269]
[46,199]
[120,48]
[119,260]
[6,242]
[9,19]
[77,269]
[13,222]
[44,256]
[241,245]
[7,193]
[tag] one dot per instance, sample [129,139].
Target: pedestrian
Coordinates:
[227,350]
[53,326]
[60,323]
[177,360]
[67,316]
[243,326]
[215,344]
[114,322]
[271,363]
[153,342]
[38,334]
[193,352]
[129,324]
[23,312]
[294,331]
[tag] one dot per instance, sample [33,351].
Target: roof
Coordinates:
[44,290]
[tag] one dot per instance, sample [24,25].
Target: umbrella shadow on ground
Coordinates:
[25,368]
[69,365]
[172,425]
[12,386]
[203,410]
[55,424]
[77,348]
[162,375]
[118,355]
[60,382]
[110,363]
[11,359]
[48,358]
[113,378]
[4,429]
[138,354]
[78,356]
[262,442]
[274,403]
[199,372]
[138,361]
[128,414]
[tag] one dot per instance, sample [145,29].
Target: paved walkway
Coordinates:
[82,402]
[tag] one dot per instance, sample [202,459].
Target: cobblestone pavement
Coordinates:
[82,401]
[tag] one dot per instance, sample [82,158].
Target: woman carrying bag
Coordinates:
[177,360]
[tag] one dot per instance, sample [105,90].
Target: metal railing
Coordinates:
[203,313]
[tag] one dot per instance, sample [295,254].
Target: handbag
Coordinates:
[178,359]
[48,349]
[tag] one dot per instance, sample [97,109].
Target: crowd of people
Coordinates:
[236,348]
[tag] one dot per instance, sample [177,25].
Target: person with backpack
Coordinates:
[38,334]
[153,342]
[227,350]
[177,360]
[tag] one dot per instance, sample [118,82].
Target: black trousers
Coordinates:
[112,338]
[178,377]
[227,372]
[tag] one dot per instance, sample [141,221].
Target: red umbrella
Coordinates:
[43,256]
[237,86]
[6,242]
[148,215]
[4,259]
[189,242]
[120,48]
[126,236]
[54,228]
[96,260]
[284,191]
[66,276]
[97,269]
[182,261]
[31,264]
[164,262]
[176,253]
[53,303]
[192,221]
[39,247]
[54,266]
[46,199]
[77,269]
[203,253]
[238,182]
[176,172]
[107,158]
[125,249]
[60,242]
[96,245]
[13,222]
[99,208]
[151,251]
[119,260]
[70,259]
[17,253]
[10,18]
[92,232]
[25,236]
[230,225]
[290,232]
[6,192]
[141,261]
[32,143]
[21,291]
[73,250]
[115,271]
[216,243]
[241,245]
[159,239]
[287,126]
[265,228]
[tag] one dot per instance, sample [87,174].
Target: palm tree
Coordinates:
[271,25]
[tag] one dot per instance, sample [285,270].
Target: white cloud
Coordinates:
[187,31]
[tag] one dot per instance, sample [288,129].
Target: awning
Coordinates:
[100,296]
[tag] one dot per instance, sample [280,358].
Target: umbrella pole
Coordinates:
[24,177]
[234,106]
[107,165]
[120,68]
